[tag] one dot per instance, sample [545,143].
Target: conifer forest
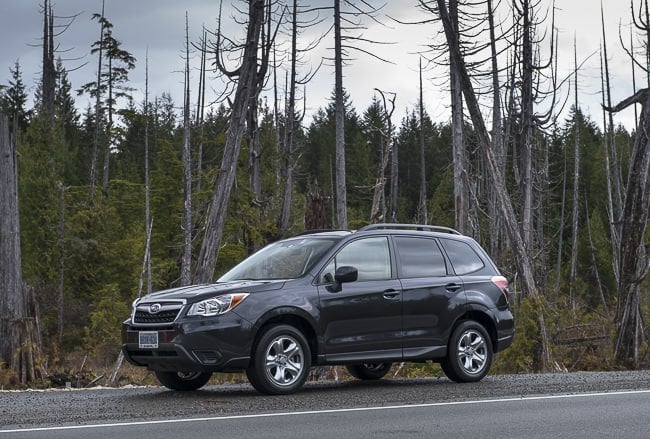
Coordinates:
[103,203]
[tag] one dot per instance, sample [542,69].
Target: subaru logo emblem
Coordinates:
[155,308]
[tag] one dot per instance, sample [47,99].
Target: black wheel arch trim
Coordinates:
[293,316]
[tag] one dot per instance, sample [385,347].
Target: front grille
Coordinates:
[156,313]
[143,317]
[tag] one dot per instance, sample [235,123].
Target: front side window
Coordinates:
[419,257]
[370,256]
[462,256]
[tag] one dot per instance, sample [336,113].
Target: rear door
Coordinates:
[432,295]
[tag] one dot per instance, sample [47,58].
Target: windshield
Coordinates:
[286,259]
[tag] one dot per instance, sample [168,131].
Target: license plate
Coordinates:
[148,340]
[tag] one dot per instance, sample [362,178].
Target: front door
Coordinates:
[363,319]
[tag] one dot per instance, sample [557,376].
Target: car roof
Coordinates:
[385,227]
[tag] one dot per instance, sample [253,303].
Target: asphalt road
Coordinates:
[575,405]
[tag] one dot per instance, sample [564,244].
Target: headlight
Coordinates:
[216,305]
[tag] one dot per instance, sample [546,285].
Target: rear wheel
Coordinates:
[369,371]
[469,355]
[281,361]
[183,380]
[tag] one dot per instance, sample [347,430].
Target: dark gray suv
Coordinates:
[363,299]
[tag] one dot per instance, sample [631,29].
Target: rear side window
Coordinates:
[462,256]
[420,257]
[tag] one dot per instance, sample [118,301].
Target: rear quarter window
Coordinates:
[462,256]
[419,257]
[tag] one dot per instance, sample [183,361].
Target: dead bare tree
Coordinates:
[461,190]
[504,202]
[286,146]
[249,76]
[48,82]
[378,209]
[575,213]
[634,253]
[422,216]
[19,347]
[186,222]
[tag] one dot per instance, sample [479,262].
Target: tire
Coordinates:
[183,380]
[281,361]
[369,371]
[469,354]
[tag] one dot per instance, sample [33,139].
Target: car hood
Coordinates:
[193,293]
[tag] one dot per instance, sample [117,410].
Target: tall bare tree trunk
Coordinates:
[527,137]
[612,217]
[339,117]
[186,226]
[378,210]
[576,187]
[246,90]
[290,120]
[635,260]
[394,180]
[200,111]
[461,188]
[48,83]
[19,347]
[524,264]
[98,112]
[147,185]
[497,135]
[422,205]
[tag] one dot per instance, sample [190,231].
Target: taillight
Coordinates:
[502,283]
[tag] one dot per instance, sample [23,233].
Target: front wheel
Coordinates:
[281,361]
[469,355]
[183,380]
[369,371]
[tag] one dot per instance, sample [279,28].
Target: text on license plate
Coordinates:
[148,340]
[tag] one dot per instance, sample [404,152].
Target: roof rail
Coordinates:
[425,227]
[312,231]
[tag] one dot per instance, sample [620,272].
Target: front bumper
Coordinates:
[214,344]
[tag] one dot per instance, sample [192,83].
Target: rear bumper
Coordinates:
[214,345]
[505,330]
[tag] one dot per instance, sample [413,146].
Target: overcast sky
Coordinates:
[158,26]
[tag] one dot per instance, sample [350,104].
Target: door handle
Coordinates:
[452,288]
[391,294]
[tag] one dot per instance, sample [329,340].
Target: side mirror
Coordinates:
[342,275]
[346,274]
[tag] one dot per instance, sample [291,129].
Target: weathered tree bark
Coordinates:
[461,203]
[613,205]
[339,117]
[575,213]
[422,216]
[186,226]
[394,177]
[497,135]
[147,186]
[255,150]
[519,249]
[246,90]
[286,156]
[98,115]
[634,257]
[378,209]
[48,82]
[527,138]
[19,347]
